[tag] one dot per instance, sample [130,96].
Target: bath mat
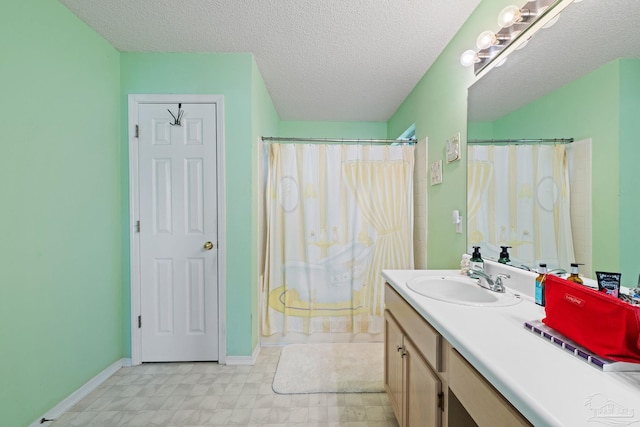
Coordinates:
[330,368]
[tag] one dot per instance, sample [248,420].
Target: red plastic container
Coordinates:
[601,323]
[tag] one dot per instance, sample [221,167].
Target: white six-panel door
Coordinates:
[178,233]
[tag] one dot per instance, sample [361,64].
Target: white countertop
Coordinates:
[548,385]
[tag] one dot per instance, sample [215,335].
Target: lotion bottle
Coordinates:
[504,255]
[574,274]
[542,275]
[476,262]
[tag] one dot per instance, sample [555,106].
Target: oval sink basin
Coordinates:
[460,290]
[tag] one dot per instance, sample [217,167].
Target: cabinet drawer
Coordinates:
[426,339]
[482,401]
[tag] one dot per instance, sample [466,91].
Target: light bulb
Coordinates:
[509,16]
[468,58]
[486,39]
[523,44]
[552,21]
[501,61]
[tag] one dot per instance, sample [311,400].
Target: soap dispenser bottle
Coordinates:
[476,262]
[542,275]
[574,277]
[504,255]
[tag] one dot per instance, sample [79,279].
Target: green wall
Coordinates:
[438,107]
[603,105]
[480,130]
[608,111]
[249,114]
[346,130]
[74,305]
[60,281]
[629,152]
[264,122]
[65,192]
[230,75]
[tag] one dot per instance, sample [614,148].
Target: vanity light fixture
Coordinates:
[511,15]
[553,21]
[500,62]
[488,38]
[517,26]
[470,57]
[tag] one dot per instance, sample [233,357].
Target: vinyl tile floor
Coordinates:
[209,394]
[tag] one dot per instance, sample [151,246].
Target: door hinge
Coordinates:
[441,401]
[137,131]
[137,226]
[139,322]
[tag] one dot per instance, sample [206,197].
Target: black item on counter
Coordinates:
[609,282]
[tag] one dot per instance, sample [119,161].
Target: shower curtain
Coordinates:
[519,196]
[336,216]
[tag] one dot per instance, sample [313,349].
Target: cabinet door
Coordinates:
[423,387]
[481,400]
[393,381]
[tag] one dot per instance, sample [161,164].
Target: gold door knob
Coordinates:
[208,246]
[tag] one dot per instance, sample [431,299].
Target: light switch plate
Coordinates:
[453,148]
[436,172]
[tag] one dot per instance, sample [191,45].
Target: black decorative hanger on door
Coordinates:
[177,121]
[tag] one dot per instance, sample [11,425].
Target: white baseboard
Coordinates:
[244,360]
[81,393]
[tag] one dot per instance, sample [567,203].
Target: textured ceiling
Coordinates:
[587,35]
[335,60]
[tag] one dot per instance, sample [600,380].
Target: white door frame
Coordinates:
[134,214]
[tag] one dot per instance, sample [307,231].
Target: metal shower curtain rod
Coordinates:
[522,141]
[270,139]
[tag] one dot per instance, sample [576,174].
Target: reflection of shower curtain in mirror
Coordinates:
[518,196]
[336,216]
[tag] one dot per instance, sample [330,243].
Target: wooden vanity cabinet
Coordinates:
[429,383]
[414,388]
[484,404]
[394,364]
[424,399]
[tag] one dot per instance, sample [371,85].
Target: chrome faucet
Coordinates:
[498,283]
[495,286]
[558,271]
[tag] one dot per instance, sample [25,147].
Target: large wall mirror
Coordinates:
[578,79]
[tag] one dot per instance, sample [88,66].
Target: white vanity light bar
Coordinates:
[533,16]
